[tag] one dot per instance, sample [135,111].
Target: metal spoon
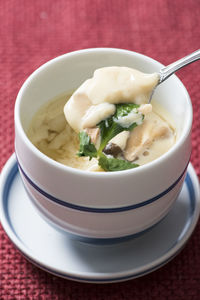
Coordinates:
[167,71]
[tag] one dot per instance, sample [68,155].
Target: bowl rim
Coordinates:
[89,174]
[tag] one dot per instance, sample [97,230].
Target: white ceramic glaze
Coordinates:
[101,205]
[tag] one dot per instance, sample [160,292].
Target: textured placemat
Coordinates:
[31,33]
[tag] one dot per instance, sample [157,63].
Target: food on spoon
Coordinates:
[96,98]
[114,101]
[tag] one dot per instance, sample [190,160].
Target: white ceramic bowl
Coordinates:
[100,205]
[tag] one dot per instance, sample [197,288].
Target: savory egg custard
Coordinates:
[107,124]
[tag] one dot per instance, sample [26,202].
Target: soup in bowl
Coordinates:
[71,192]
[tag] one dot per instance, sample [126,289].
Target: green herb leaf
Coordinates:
[110,127]
[114,164]
[124,109]
[87,148]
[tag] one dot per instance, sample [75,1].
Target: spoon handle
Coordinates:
[172,68]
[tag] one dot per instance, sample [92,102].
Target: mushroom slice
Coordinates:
[143,136]
[94,134]
[138,142]
[112,149]
[117,144]
[120,139]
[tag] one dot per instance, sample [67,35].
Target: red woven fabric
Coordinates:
[31,33]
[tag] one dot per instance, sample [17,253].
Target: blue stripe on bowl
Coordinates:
[100,210]
[92,240]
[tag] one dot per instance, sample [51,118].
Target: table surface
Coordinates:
[31,33]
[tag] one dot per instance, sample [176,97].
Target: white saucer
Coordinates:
[67,257]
